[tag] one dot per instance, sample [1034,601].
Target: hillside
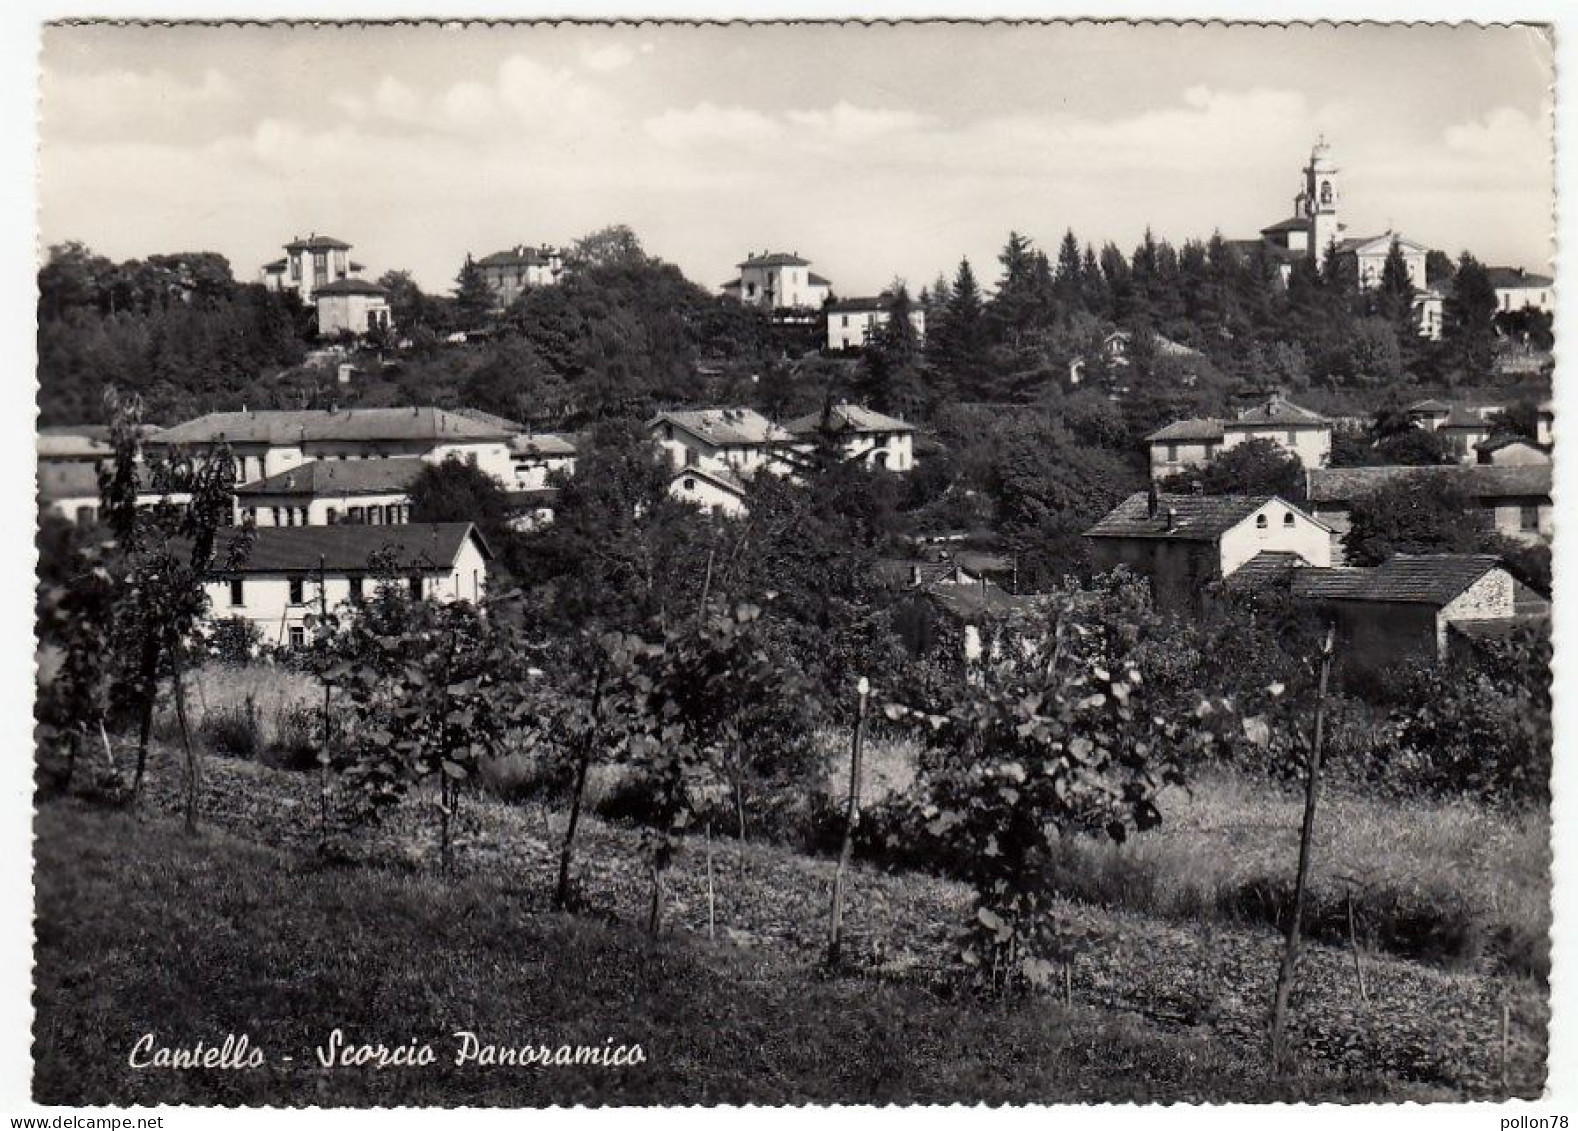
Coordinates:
[242,929]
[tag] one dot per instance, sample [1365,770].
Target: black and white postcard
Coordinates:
[666,564]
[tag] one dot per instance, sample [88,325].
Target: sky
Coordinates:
[876,152]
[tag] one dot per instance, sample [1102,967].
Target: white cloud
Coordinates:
[706,124]
[610,57]
[117,101]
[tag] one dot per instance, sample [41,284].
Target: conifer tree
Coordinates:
[473,296]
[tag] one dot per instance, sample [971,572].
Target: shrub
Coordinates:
[297,738]
[233,641]
[232,732]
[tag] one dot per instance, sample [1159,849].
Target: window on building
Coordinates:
[297,591]
[844,320]
[332,516]
[416,586]
[86,516]
[1293,439]
[238,592]
[1287,519]
[690,457]
[1260,522]
[1172,453]
[1529,519]
[355,584]
[358,514]
[690,484]
[295,267]
[298,637]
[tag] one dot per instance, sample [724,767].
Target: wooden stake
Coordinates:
[193,769]
[1290,953]
[1506,1040]
[712,911]
[851,819]
[1353,940]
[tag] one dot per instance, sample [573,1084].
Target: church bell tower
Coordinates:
[1319,200]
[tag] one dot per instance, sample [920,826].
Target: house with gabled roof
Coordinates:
[352,306]
[1511,450]
[1193,443]
[514,271]
[266,442]
[320,492]
[739,440]
[1518,289]
[853,323]
[537,455]
[776,280]
[716,490]
[1185,543]
[1516,499]
[291,573]
[309,264]
[1401,610]
[70,488]
[880,441]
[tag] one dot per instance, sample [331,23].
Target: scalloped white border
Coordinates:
[19,24]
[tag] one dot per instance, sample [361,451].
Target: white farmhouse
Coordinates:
[1194,443]
[1185,543]
[865,435]
[352,306]
[292,573]
[713,489]
[514,271]
[853,322]
[329,492]
[266,442]
[1517,289]
[538,455]
[775,280]
[71,490]
[740,441]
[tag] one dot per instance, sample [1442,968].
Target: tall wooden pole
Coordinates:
[1290,953]
[851,819]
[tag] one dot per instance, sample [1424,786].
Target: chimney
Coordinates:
[1153,500]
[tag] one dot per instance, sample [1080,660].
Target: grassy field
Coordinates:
[1450,882]
[1418,1029]
[141,929]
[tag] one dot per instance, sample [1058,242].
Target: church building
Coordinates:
[1316,228]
